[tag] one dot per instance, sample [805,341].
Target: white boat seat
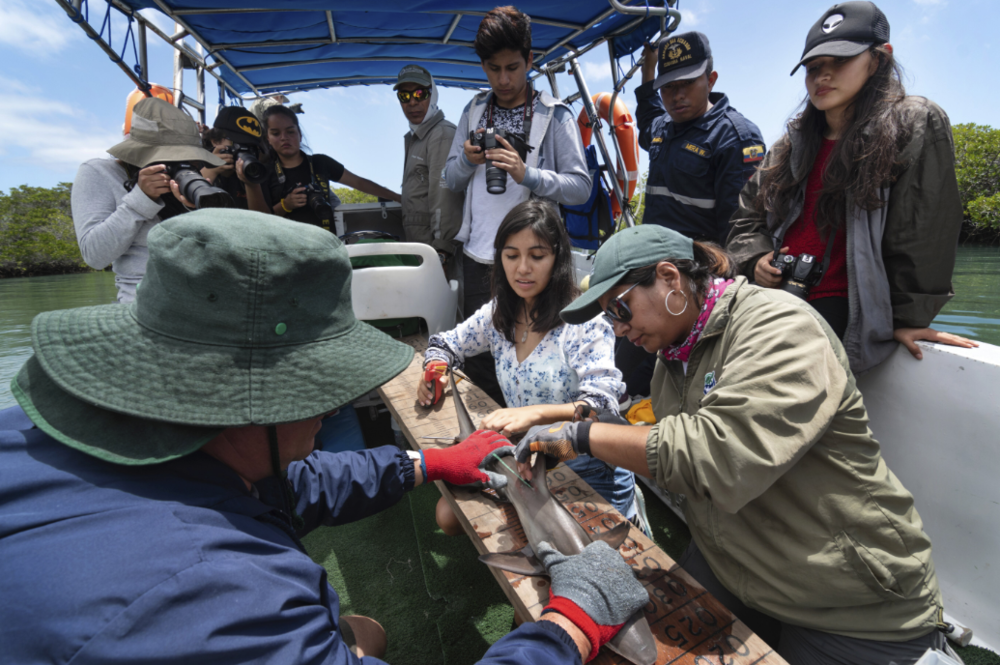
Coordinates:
[390,292]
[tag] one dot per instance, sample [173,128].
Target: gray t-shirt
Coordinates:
[488,210]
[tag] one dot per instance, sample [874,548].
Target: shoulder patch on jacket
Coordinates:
[754,153]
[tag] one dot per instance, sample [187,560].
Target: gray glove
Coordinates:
[594,589]
[558,441]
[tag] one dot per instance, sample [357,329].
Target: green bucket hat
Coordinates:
[241,319]
[161,132]
[635,247]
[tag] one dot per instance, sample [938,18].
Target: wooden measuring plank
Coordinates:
[691,626]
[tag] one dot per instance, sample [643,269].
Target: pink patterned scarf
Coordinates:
[682,351]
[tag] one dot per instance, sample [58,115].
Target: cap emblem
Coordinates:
[832,22]
[678,50]
[249,124]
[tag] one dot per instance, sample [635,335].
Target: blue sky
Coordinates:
[63,101]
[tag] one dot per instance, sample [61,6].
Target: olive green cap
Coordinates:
[635,247]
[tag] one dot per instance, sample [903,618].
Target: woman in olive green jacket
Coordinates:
[797,523]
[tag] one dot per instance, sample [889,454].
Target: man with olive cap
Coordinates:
[432,213]
[159,472]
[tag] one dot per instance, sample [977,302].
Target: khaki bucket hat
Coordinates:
[241,319]
[161,132]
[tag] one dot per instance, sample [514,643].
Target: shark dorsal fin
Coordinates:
[465,426]
[514,562]
[615,537]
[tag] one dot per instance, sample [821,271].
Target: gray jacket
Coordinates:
[432,213]
[899,257]
[112,223]
[556,168]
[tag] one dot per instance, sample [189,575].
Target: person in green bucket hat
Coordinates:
[797,524]
[160,470]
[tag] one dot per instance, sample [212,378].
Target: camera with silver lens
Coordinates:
[496,178]
[195,188]
[799,273]
[254,170]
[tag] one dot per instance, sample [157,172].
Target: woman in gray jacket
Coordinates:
[117,201]
[856,208]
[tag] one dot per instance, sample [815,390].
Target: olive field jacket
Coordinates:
[899,257]
[788,496]
[432,213]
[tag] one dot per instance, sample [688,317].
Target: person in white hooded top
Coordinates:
[432,213]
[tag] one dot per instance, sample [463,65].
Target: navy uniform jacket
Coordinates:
[697,168]
[179,563]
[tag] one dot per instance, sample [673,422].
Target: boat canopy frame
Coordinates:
[350,47]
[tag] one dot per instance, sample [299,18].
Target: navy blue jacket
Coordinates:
[696,168]
[179,563]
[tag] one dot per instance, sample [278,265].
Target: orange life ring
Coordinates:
[628,140]
[137,95]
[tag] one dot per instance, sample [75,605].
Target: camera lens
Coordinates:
[199,192]
[254,170]
[496,178]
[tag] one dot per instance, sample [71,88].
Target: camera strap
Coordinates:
[528,114]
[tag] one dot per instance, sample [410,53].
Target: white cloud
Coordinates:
[689,19]
[595,71]
[43,29]
[52,134]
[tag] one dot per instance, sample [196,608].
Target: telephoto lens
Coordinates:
[496,178]
[196,189]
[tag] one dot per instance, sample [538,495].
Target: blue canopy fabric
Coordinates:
[283,46]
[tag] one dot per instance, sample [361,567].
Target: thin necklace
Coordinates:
[524,337]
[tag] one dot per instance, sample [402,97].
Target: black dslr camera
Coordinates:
[799,273]
[496,178]
[254,170]
[195,188]
[317,201]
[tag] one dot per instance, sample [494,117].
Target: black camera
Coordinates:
[254,170]
[496,178]
[200,192]
[799,273]
[317,201]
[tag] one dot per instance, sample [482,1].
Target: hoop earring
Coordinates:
[666,303]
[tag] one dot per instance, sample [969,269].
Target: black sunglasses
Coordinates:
[418,95]
[617,310]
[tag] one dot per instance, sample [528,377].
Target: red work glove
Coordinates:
[463,464]
[433,373]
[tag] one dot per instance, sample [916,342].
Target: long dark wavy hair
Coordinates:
[278,109]
[710,261]
[544,221]
[864,160]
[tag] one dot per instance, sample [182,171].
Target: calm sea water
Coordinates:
[973,312]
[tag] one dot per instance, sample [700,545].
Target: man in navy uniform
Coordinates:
[701,150]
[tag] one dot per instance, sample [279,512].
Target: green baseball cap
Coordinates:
[635,247]
[241,319]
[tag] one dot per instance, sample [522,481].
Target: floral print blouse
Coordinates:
[571,363]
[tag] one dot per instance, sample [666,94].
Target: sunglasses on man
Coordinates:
[617,310]
[418,95]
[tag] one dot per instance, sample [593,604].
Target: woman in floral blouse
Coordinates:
[545,367]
